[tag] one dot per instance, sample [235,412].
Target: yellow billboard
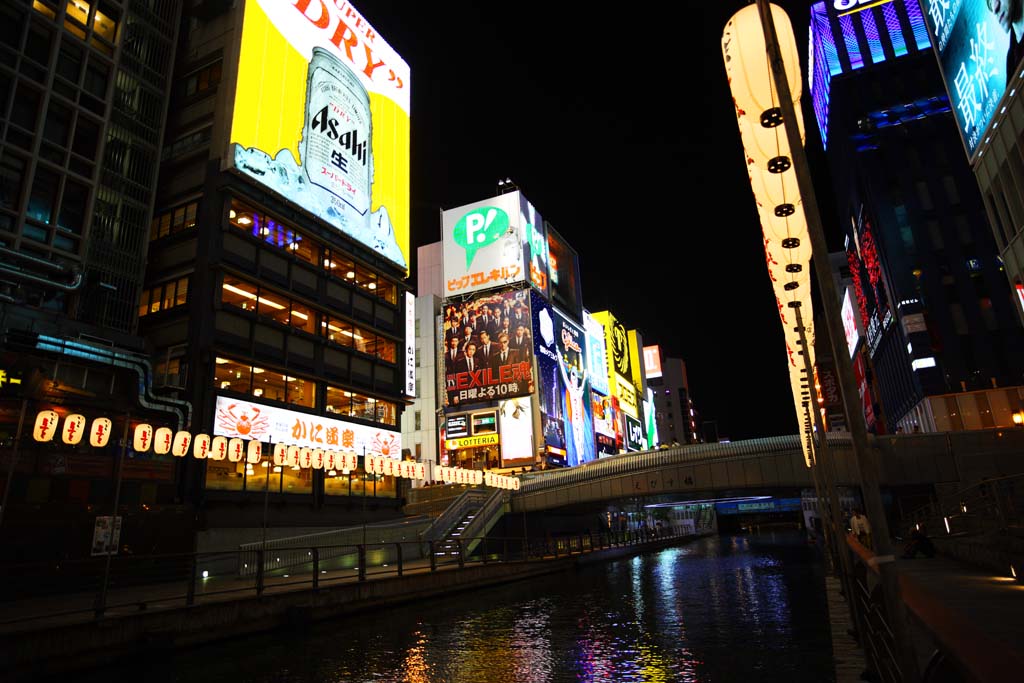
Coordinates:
[321,117]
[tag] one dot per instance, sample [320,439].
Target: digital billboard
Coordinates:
[597,354]
[976,56]
[607,424]
[564,272]
[652,361]
[486,355]
[535,246]
[321,118]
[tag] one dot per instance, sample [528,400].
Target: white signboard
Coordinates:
[483,245]
[410,344]
[850,323]
[246,420]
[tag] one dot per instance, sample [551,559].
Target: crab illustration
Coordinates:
[243,420]
[384,444]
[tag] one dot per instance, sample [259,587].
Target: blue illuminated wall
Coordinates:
[845,41]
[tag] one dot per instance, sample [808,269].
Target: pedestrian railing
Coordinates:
[990,505]
[869,615]
[77,590]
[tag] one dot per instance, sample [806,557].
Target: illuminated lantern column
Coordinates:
[772,176]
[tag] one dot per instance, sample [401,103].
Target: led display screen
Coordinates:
[487,352]
[564,275]
[597,354]
[652,361]
[976,57]
[321,118]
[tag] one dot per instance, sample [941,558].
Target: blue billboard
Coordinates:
[978,51]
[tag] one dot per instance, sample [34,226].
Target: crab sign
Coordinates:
[385,444]
[243,420]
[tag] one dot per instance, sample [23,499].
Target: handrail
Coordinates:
[454,514]
[486,517]
[986,506]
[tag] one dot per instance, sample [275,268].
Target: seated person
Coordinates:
[918,543]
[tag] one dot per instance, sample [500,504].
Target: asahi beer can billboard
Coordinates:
[321,117]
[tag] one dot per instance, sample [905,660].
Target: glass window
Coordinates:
[182,292]
[303,318]
[12,174]
[168,296]
[42,200]
[87,136]
[339,401]
[339,483]
[274,307]
[224,475]
[296,480]
[269,384]
[238,293]
[233,376]
[301,392]
[256,478]
[387,290]
[25,109]
[105,22]
[337,331]
[360,339]
[365,278]
[96,77]
[154,299]
[58,123]
[72,207]
[143,302]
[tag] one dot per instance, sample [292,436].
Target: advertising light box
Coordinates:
[485,357]
[321,118]
[597,354]
[483,245]
[976,60]
[244,419]
[652,361]
[515,420]
[564,271]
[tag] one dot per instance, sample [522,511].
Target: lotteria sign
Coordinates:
[321,117]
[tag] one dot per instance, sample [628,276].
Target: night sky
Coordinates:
[618,126]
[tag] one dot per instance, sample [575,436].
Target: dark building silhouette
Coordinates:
[943,344]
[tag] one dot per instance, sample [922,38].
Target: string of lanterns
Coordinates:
[179,444]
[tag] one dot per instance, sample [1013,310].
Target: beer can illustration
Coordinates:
[336,152]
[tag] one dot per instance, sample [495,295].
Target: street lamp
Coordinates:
[1018,417]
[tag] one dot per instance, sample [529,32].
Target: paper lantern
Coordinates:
[746,60]
[99,432]
[316,459]
[280,455]
[292,459]
[46,426]
[305,455]
[201,446]
[162,440]
[218,448]
[142,438]
[73,429]
[181,444]
[236,449]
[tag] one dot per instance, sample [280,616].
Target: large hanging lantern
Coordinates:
[181,444]
[219,448]
[763,131]
[201,446]
[236,449]
[747,66]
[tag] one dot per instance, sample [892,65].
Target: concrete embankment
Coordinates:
[50,648]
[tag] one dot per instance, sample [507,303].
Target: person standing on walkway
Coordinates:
[861,528]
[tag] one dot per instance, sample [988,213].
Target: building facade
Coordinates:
[83,98]
[943,343]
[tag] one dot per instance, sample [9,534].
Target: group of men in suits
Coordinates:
[486,338]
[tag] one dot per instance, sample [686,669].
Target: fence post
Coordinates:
[190,594]
[362,562]
[433,558]
[462,559]
[316,568]
[398,546]
[259,572]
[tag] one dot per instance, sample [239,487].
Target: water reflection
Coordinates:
[717,609]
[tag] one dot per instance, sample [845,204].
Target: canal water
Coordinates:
[748,607]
